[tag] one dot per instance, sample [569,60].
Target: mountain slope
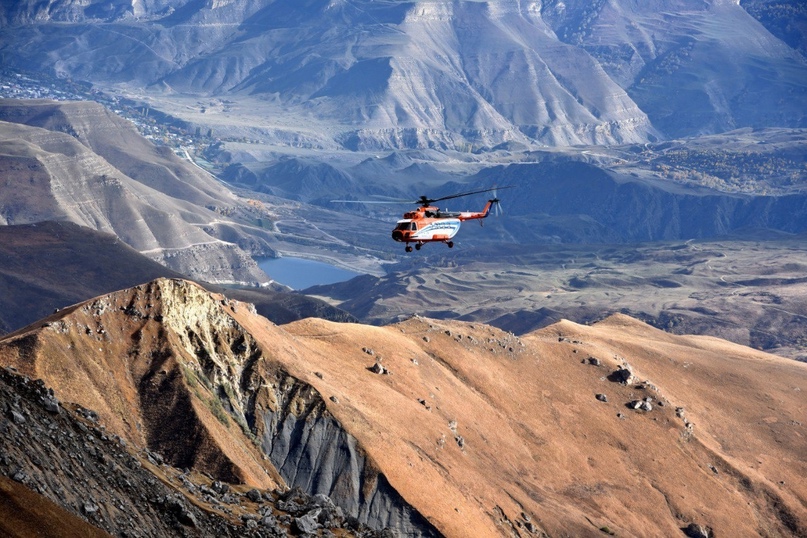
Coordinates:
[616,207]
[694,67]
[63,474]
[431,427]
[90,167]
[510,427]
[49,265]
[750,290]
[185,380]
[117,141]
[783,18]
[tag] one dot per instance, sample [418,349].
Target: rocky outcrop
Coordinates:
[61,468]
[193,385]
[67,456]
[311,450]
[288,418]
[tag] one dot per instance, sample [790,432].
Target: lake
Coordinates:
[299,273]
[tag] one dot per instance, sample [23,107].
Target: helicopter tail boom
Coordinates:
[471,215]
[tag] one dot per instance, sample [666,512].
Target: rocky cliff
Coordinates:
[185,380]
[62,473]
[429,427]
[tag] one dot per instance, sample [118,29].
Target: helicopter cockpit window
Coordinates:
[413,226]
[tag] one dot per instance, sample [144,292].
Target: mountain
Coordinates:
[744,182]
[50,265]
[425,427]
[370,75]
[694,67]
[79,162]
[784,19]
[191,384]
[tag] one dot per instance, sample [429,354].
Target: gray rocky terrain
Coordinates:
[63,473]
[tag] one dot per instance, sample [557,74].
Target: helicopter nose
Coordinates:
[397,235]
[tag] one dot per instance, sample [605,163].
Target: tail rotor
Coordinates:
[496,204]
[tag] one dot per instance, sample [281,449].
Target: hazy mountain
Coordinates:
[683,190]
[786,19]
[426,427]
[695,67]
[314,181]
[450,75]
[601,206]
[80,163]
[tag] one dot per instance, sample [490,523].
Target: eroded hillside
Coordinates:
[79,162]
[430,427]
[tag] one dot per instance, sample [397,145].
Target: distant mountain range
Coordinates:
[443,75]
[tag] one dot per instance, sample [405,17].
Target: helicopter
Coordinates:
[429,224]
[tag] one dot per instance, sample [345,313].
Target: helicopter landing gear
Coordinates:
[408,248]
[450,244]
[418,245]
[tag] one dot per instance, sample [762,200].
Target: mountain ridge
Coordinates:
[500,425]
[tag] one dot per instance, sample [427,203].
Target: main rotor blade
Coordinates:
[423,200]
[373,201]
[432,200]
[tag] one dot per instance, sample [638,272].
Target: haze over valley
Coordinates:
[620,349]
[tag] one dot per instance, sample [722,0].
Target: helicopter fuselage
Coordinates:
[428,224]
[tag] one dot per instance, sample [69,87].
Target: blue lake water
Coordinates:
[298,273]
